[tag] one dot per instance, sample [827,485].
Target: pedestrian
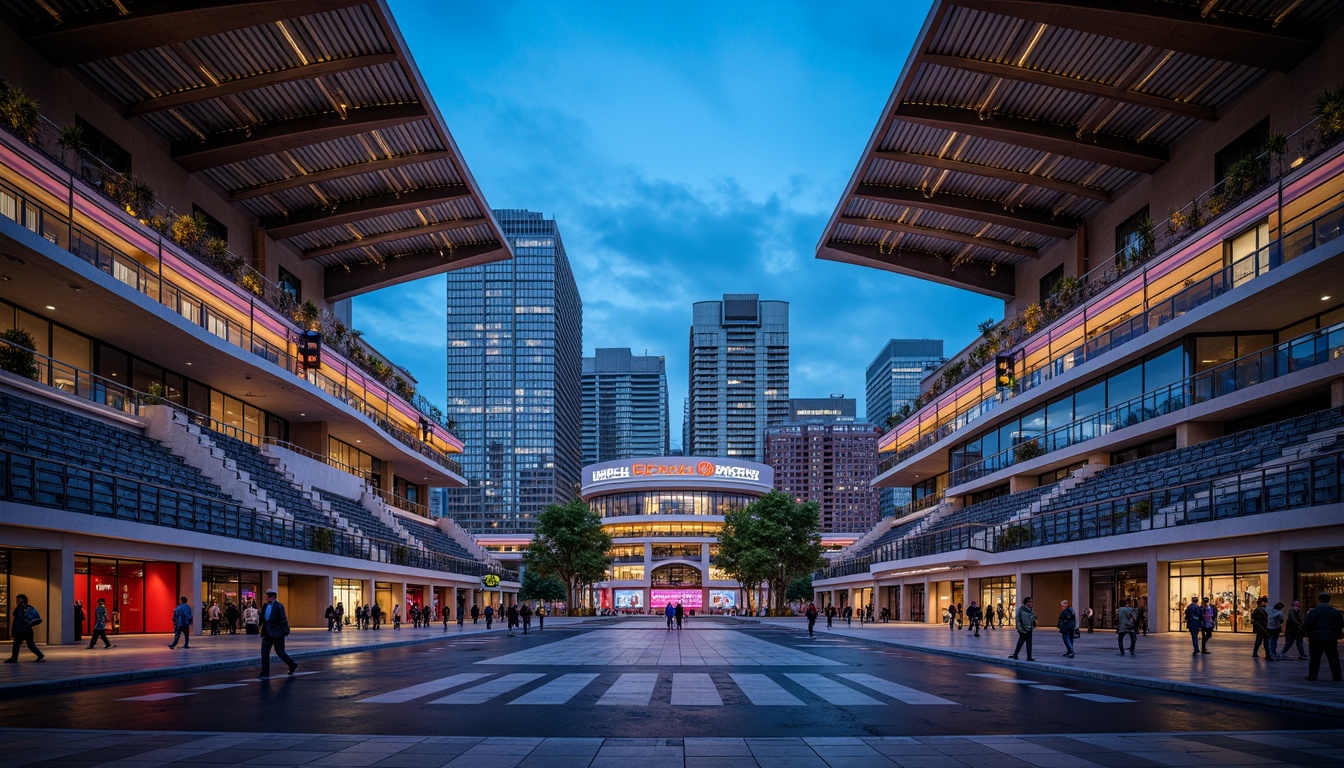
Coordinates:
[973,617]
[1260,623]
[1068,624]
[182,621]
[231,616]
[989,616]
[1209,615]
[511,613]
[1026,624]
[100,625]
[681,614]
[1088,616]
[811,614]
[274,630]
[26,617]
[1194,622]
[950,618]
[445,619]
[79,620]
[1003,615]
[1274,623]
[340,616]
[1126,622]
[849,616]
[251,618]
[670,611]
[830,615]
[541,617]
[475,613]
[330,616]
[396,617]
[461,616]
[1141,616]
[1324,627]
[376,616]
[489,616]
[959,616]
[1293,631]
[525,613]
[215,615]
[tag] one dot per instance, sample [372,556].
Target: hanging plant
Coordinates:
[1329,106]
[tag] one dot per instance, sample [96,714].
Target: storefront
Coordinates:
[894,602]
[349,593]
[227,586]
[1318,571]
[382,593]
[917,603]
[1110,587]
[1232,584]
[140,596]
[999,591]
[4,593]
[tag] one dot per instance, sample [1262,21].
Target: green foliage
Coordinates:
[16,356]
[320,539]
[19,112]
[1028,450]
[308,315]
[72,139]
[1329,106]
[569,544]
[1012,537]
[1033,317]
[135,196]
[400,554]
[188,231]
[548,589]
[800,588]
[771,541]
[1141,509]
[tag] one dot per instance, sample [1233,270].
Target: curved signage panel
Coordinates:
[677,472]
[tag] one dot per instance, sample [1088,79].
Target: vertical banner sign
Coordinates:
[310,350]
[1004,378]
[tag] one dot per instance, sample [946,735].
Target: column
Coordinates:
[61,612]
[966,594]
[1159,613]
[325,597]
[189,578]
[366,586]
[1279,581]
[931,613]
[1076,589]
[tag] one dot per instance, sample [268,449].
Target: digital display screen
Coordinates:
[689,598]
[722,599]
[629,598]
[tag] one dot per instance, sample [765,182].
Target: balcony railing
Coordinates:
[1129,264]
[1301,484]
[58,485]
[1306,351]
[57,229]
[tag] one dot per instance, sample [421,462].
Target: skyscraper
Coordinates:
[822,454]
[739,375]
[515,344]
[893,381]
[624,406]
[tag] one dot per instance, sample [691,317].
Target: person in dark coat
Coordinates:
[80,618]
[25,618]
[489,616]
[973,617]
[274,630]
[525,613]
[1324,627]
[475,613]
[681,614]
[100,625]
[1068,624]
[811,614]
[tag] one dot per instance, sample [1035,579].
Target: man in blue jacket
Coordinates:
[274,630]
[182,620]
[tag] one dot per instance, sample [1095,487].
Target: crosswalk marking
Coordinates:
[765,692]
[1004,679]
[896,690]
[1051,688]
[156,696]
[219,687]
[694,690]
[631,689]
[424,689]
[833,692]
[1100,699]
[489,690]
[558,691]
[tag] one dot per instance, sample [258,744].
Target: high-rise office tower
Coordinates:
[624,406]
[739,377]
[515,345]
[823,454]
[893,380]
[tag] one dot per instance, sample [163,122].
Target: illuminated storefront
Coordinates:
[664,516]
[1232,584]
[140,596]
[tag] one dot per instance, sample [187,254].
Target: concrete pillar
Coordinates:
[1019,483]
[1081,580]
[966,595]
[931,614]
[367,589]
[386,479]
[1159,612]
[1279,586]
[61,597]
[1195,432]
[189,578]
[1336,395]
[325,596]
[309,435]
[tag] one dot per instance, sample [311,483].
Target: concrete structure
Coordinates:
[624,406]
[822,454]
[1157,415]
[739,375]
[664,515]
[199,419]
[515,345]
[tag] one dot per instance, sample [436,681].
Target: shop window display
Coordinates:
[1232,584]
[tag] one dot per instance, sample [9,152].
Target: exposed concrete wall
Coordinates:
[1195,432]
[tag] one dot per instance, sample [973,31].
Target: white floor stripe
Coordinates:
[833,692]
[896,690]
[487,691]
[765,692]
[424,689]
[1097,697]
[1003,679]
[1051,688]
[156,696]
[219,687]
[631,689]
[694,690]
[558,691]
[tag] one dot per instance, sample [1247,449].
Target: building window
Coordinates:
[1051,281]
[213,227]
[1248,144]
[291,285]
[107,153]
[1134,238]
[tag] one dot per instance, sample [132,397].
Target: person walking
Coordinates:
[330,616]
[100,625]
[959,616]
[512,615]
[680,614]
[1002,617]
[811,614]
[26,617]
[216,615]
[525,613]
[182,621]
[950,618]
[445,619]
[251,619]
[396,617]
[1068,624]
[670,611]
[1194,622]
[1260,622]
[274,630]
[376,616]
[1210,617]
[340,616]
[1026,624]
[830,615]
[989,616]
[1090,618]
[1126,622]
[541,617]
[1293,631]
[489,616]
[231,616]
[973,617]
[1141,616]
[475,613]
[1324,627]
[1274,624]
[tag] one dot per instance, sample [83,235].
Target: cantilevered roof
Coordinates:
[310,114]
[1014,120]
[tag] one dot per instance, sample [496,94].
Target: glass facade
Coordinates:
[669,503]
[1110,587]
[892,381]
[514,354]
[1232,584]
[1316,572]
[227,586]
[1001,590]
[140,596]
[624,406]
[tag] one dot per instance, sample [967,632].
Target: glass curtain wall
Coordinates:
[1232,584]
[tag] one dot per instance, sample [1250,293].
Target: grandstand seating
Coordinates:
[436,539]
[361,518]
[267,477]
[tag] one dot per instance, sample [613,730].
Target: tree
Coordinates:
[800,589]
[771,541]
[569,544]
[547,589]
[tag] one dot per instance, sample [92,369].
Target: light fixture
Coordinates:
[359,441]
[1297,162]
[5,278]
[51,307]
[1325,297]
[188,363]
[303,414]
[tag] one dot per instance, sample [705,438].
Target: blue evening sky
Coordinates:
[686,150]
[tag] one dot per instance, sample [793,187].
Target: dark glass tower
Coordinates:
[624,406]
[515,342]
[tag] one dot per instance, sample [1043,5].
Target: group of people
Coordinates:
[674,613]
[973,618]
[225,619]
[1322,628]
